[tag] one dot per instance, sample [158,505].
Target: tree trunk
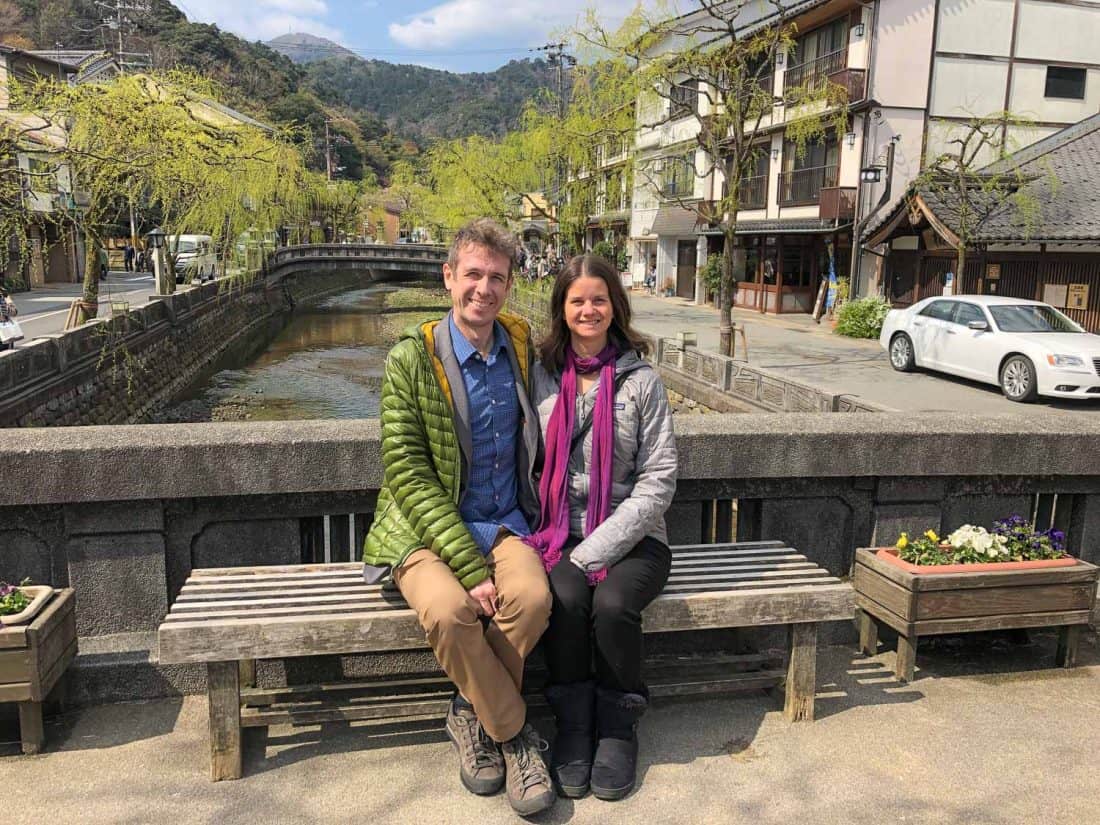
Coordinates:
[728,287]
[89,302]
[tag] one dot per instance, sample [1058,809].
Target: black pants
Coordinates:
[605,619]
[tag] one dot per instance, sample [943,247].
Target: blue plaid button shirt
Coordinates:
[490,501]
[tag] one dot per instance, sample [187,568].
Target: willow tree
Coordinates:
[715,67]
[486,177]
[165,145]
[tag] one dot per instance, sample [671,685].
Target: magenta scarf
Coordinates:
[553,530]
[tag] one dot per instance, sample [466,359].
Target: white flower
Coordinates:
[979,539]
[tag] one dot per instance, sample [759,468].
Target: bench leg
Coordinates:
[1068,637]
[868,633]
[31,731]
[907,658]
[801,672]
[224,693]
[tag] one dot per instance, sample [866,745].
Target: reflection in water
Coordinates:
[326,363]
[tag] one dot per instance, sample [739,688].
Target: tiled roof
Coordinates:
[1062,177]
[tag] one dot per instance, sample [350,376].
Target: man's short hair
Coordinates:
[487,233]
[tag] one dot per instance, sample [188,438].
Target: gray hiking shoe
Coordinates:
[530,790]
[481,766]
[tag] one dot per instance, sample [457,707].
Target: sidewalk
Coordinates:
[985,734]
[795,347]
[43,310]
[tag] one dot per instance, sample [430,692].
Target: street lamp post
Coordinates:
[165,284]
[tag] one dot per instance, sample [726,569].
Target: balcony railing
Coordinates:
[802,187]
[838,202]
[813,73]
[753,192]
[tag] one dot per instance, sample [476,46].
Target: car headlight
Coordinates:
[1065,360]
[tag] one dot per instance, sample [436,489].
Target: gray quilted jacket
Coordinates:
[644,467]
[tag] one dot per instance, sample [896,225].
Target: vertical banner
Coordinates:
[830,296]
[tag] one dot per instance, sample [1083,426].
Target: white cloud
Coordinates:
[265,19]
[469,23]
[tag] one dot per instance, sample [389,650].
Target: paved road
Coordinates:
[797,348]
[43,310]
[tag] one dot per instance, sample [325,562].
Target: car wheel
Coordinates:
[1018,379]
[901,353]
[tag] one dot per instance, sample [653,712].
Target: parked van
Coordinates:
[195,257]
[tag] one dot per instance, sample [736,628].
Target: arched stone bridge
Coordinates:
[396,262]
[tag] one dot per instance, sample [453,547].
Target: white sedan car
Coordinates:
[1028,348]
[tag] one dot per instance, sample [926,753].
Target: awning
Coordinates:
[674,221]
[610,218]
[811,226]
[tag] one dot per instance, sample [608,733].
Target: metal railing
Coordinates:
[812,73]
[753,192]
[803,186]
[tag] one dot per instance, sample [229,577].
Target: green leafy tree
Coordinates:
[161,144]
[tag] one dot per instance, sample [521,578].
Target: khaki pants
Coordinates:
[485,663]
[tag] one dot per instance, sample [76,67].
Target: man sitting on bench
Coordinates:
[459,439]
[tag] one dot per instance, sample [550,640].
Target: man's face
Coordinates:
[478,285]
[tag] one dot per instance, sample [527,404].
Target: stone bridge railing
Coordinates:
[122,514]
[415,260]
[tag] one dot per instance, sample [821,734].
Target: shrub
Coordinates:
[711,273]
[862,318]
[605,250]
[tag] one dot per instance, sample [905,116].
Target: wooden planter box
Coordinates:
[927,604]
[32,659]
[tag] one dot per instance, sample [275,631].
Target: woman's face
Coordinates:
[588,313]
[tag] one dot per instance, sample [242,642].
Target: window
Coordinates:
[1032,318]
[683,99]
[679,175]
[940,310]
[968,312]
[41,175]
[1064,82]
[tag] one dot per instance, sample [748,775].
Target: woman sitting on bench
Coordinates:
[608,478]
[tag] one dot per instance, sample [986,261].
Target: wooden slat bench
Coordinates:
[228,618]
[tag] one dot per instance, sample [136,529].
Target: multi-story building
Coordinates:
[936,65]
[915,72]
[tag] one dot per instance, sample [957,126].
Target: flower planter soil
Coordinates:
[890,554]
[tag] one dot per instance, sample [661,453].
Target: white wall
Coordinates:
[903,52]
[975,26]
[968,88]
[1052,31]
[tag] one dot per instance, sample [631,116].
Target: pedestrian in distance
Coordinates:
[139,263]
[103,263]
[128,257]
[8,311]
[459,441]
[608,477]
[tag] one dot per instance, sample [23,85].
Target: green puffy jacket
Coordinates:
[418,505]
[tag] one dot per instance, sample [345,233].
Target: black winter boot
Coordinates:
[571,759]
[616,760]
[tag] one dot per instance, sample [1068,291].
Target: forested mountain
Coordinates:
[381,112]
[428,103]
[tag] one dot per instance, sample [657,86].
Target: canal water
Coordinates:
[327,361]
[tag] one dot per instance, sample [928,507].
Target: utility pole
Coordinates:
[328,150]
[556,56]
[118,19]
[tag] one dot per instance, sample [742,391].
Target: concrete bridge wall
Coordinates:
[123,514]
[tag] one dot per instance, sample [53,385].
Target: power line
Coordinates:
[363,51]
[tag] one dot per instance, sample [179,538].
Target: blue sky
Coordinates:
[459,35]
